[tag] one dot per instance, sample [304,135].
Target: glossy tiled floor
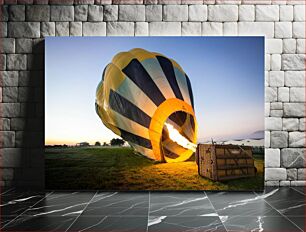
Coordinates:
[274,210]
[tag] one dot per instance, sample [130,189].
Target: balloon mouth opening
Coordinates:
[178,139]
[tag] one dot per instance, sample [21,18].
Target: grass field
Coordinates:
[114,168]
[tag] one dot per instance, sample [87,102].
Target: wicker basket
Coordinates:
[225,162]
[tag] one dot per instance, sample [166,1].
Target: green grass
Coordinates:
[114,168]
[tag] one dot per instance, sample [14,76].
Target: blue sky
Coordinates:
[226,74]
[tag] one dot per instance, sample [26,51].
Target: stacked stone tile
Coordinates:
[24,24]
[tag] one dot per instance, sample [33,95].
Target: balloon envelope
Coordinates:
[140,93]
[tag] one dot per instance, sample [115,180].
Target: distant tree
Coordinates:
[105,144]
[82,144]
[98,144]
[117,142]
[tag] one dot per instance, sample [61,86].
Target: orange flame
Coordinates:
[175,136]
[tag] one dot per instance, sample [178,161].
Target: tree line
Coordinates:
[113,142]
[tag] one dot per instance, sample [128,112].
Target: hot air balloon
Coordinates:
[146,99]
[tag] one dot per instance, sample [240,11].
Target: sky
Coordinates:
[226,75]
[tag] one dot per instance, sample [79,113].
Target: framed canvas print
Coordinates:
[154,113]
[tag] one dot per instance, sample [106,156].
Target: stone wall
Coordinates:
[24,24]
